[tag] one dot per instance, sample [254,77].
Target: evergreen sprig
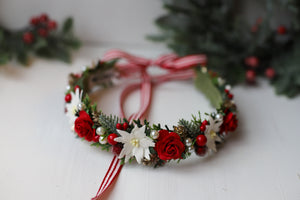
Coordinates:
[109,122]
[214,27]
[41,37]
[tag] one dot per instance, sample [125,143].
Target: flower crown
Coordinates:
[135,139]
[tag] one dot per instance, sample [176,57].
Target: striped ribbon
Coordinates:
[179,68]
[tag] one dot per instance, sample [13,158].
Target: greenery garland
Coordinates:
[187,136]
[237,50]
[41,38]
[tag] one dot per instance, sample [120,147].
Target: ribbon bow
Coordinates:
[178,68]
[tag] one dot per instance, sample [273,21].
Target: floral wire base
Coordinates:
[149,144]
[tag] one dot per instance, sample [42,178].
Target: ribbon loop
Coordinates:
[178,69]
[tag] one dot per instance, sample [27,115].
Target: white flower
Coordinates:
[135,143]
[72,106]
[211,133]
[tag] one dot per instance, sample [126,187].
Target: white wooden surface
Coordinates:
[41,158]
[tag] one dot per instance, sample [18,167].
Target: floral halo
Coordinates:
[148,144]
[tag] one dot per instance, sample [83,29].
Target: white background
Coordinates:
[41,159]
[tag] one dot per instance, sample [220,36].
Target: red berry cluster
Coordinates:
[253,62]
[41,26]
[229,95]
[201,140]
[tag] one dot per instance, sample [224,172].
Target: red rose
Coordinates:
[169,145]
[230,123]
[84,126]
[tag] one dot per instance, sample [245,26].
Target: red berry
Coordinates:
[202,128]
[230,96]
[43,32]
[125,126]
[226,91]
[250,76]
[52,25]
[28,37]
[116,149]
[43,18]
[119,126]
[252,61]
[68,98]
[254,29]
[259,20]
[96,138]
[201,140]
[204,123]
[270,73]
[281,30]
[34,21]
[200,151]
[111,137]
[76,87]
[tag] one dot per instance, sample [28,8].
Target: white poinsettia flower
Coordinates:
[72,106]
[135,143]
[211,133]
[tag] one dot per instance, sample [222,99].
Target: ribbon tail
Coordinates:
[110,176]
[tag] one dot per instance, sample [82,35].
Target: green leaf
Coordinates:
[67,25]
[4,58]
[40,43]
[205,85]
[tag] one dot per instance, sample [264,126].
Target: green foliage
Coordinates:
[288,78]
[109,122]
[215,28]
[58,44]
[205,85]
[192,128]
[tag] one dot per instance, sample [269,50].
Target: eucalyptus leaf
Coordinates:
[205,85]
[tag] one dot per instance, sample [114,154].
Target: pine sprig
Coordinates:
[214,27]
[192,128]
[41,38]
[109,122]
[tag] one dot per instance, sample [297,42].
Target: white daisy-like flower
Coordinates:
[211,133]
[72,106]
[135,143]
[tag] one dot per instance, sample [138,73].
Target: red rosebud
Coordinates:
[281,30]
[270,73]
[43,32]
[250,76]
[34,21]
[28,37]
[252,61]
[230,123]
[169,145]
[52,25]
[84,126]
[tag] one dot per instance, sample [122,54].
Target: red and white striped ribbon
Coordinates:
[179,69]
